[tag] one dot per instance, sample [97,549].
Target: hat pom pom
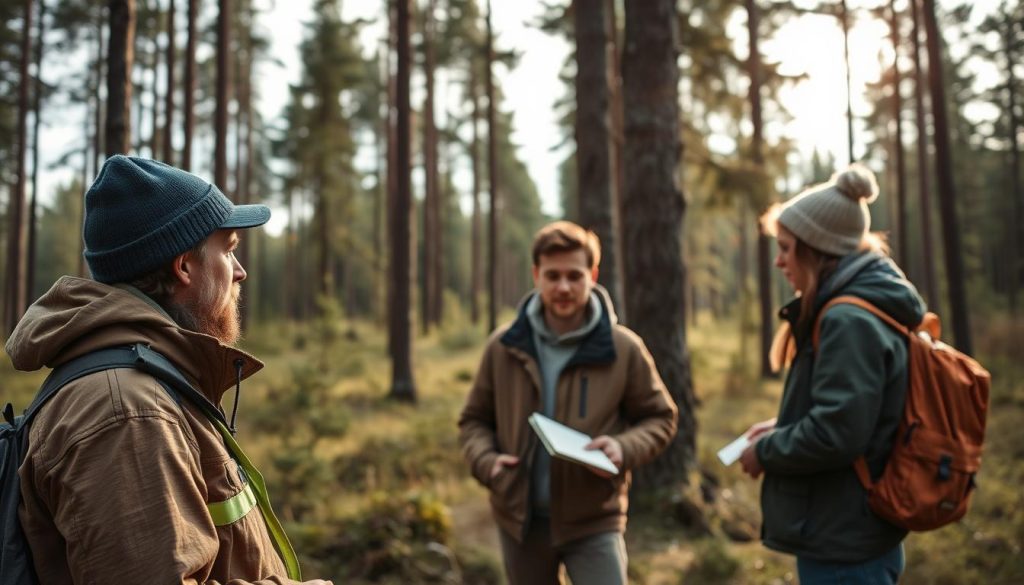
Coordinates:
[857,182]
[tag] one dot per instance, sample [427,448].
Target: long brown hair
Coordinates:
[814,266]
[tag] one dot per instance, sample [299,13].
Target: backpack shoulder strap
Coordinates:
[860,465]
[858,302]
[97,361]
[136,356]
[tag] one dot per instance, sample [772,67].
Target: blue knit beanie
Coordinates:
[141,214]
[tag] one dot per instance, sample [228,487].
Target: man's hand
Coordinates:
[502,462]
[611,448]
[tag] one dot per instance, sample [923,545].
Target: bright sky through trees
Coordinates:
[810,44]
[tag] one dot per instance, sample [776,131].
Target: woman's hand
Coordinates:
[758,429]
[748,460]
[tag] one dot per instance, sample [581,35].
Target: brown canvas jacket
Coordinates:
[610,387]
[118,476]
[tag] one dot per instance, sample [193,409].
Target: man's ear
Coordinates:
[184,268]
[593,273]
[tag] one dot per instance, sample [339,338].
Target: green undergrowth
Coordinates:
[375,491]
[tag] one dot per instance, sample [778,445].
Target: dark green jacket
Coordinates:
[844,403]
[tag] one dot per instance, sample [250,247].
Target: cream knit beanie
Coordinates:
[833,217]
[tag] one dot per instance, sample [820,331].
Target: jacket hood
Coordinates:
[596,347]
[872,277]
[77,316]
[876,279]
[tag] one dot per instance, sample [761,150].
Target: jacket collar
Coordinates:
[78,316]
[596,348]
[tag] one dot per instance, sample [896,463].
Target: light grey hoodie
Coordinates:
[553,353]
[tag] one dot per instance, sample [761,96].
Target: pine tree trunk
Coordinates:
[14,297]
[947,188]
[617,141]
[189,87]
[243,129]
[903,247]
[392,195]
[475,271]
[402,385]
[492,179]
[37,108]
[120,54]
[220,118]
[430,200]
[924,176]
[844,21]
[99,127]
[154,132]
[168,148]
[652,228]
[764,277]
[597,200]
[381,190]
[1016,219]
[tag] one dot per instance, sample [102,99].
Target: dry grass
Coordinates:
[393,451]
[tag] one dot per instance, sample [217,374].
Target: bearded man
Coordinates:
[122,483]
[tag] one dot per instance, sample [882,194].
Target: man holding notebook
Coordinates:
[565,357]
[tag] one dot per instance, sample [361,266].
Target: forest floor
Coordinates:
[375,491]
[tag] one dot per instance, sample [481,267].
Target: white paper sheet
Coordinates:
[567,443]
[731,452]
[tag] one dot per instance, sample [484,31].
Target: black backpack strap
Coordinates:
[137,356]
[155,364]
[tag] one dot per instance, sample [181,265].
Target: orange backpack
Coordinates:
[929,478]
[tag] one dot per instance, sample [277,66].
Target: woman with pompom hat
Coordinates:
[840,402]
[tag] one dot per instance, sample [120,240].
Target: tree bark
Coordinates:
[37,108]
[652,227]
[14,297]
[392,197]
[154,133]
[431,215]
[617,140]
[924,176]
[402,385]
[168,148]
[1016,218]
[903,246]
[99,128]
[764,277]
[844,19]
[597,199]
[475,271]
[947,188]
[189,86]
[380,198]
[120,54]
[492,179]
[220,160]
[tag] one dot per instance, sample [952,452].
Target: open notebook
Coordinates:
[566,443]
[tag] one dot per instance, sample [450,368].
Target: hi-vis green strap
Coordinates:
[231,510]
[259,489]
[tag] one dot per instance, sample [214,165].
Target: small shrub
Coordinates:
[458,332]
[712,564]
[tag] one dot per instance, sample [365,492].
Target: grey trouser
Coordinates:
[599,559]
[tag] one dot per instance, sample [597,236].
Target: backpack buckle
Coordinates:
[945,467]
[9,414]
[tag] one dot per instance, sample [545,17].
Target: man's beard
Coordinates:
[204,314]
